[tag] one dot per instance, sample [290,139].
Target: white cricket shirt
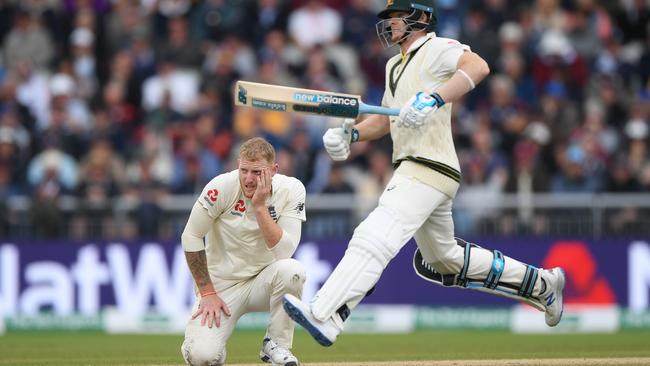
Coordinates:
[234,246]
[427,152]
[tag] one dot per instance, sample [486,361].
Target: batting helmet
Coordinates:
[417,7]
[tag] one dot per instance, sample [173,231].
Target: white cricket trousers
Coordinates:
[262,293]
[407,209]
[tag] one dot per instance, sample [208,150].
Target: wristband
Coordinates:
[354,135]
[439,101]
[209,293]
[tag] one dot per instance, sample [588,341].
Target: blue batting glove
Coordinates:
[416,110]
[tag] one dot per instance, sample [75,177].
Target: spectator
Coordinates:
[146,76]
[512,65]
[6,191]
[548,15]
[477,32]
[53,166]
[63,95]
[271,16]
[234,51]
[556,60]
[634,19]
[587,27]
[323,23]
[215,19]
[358,22]
[51,175]
[194,166]
[101,178]
[31,91]
[636,131]
[211,133]
[147,193]
[572,176]
[11,168]
[370,185]
[485,176]
[123,24]
[337,182]
[27,41]
[621,178]
[181,87]
[83,62]
[558,111]
[178,48]
[154,158]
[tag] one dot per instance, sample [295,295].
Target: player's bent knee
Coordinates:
[456,259]
[203,356]
[291,273]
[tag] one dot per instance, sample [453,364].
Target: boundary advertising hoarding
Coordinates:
[92,282]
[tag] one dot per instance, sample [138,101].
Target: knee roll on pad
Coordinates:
[374,243]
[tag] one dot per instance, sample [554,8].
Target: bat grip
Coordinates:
[347,125]
[373,109]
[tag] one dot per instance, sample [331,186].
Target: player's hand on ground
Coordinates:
[210,308]
[337,140]
[263,189]
[416,110]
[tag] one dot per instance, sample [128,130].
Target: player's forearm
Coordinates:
[198,264]
[373,127]
[472,69]
[271,231]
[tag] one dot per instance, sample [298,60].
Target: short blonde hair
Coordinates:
[256,149]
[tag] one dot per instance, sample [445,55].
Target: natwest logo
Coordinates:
[324,98]
[83,280]
[585,285]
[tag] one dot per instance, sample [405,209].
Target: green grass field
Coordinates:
[100,349]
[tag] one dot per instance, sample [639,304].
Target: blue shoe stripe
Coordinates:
[300,318]
[550,299]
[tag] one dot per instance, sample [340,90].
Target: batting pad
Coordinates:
[374,243]
[491,283]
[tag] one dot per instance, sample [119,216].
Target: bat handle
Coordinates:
[347,125]
[373,109]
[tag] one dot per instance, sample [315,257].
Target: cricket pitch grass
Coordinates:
[422,348]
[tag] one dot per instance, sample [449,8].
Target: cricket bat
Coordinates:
[286,99]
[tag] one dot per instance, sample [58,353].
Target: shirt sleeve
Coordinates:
[448,52]
[295,206]
[198,225]
[214,196]
[291,232]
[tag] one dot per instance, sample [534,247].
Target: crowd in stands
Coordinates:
[102,99]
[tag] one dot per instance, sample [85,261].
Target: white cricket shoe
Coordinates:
[277,355]
[552,296]
[324,333]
